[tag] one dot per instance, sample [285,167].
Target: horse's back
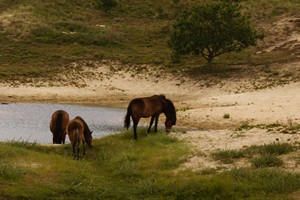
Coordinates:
[146,106]
[58,124]
[75,126]
[137,106]
[59,118]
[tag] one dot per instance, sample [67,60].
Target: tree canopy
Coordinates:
[212,29]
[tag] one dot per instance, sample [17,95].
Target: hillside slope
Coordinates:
[41,39]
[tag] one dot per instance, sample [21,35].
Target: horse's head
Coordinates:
[89,139]
[171,115]
[168,125]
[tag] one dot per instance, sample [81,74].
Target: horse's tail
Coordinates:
[127,117]
[76,137]
[59,125]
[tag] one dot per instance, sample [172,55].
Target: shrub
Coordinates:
[226,116]
[226,156]
[276,148]
[106,5]
[267,161]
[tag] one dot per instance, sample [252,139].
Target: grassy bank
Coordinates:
[119,168]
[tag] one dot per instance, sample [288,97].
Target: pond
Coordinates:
[30,121]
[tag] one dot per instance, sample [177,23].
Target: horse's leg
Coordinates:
[83,148]
[74,154]
[156,122]
[151,122]
[135,123]
[78,150]
[64,138]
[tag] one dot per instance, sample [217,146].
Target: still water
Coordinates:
[30,121]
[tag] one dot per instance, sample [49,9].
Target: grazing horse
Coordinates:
[58,124]
[75,130]
[87,132]
[150,107]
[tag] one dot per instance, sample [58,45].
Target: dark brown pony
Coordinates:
[150,107]
[75,130]
[58,124]
[87,132]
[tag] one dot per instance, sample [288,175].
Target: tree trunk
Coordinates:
[209,62]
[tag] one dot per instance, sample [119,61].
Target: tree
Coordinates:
[212,29]
[106,5]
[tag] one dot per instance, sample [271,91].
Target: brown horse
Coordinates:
[87,132]
[75,130]
[58,124]
[150,107]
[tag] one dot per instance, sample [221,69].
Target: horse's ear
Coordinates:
[163,96]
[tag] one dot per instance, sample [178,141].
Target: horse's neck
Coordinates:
[168,110]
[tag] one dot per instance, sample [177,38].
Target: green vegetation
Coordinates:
[106,5]
[227,156]
[266,155]
[267,161]
[40,38]
[117,167]
[283,128]
[212,29]
[266,149]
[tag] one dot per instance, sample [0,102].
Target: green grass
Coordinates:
[267,154]
[228,156]
[267,161]
[117,167]
[41,37]
[275,148]
[9,171]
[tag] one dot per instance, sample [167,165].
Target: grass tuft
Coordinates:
[267,161]
[9,171]
[228,156]
[268,154]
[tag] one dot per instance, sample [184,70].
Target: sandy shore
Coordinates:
[211,115]
[197,106]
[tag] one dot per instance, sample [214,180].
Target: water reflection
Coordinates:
[30,121]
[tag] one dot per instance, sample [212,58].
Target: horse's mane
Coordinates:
[171,109]
[171,106]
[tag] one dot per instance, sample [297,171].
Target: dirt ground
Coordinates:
[212,115]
